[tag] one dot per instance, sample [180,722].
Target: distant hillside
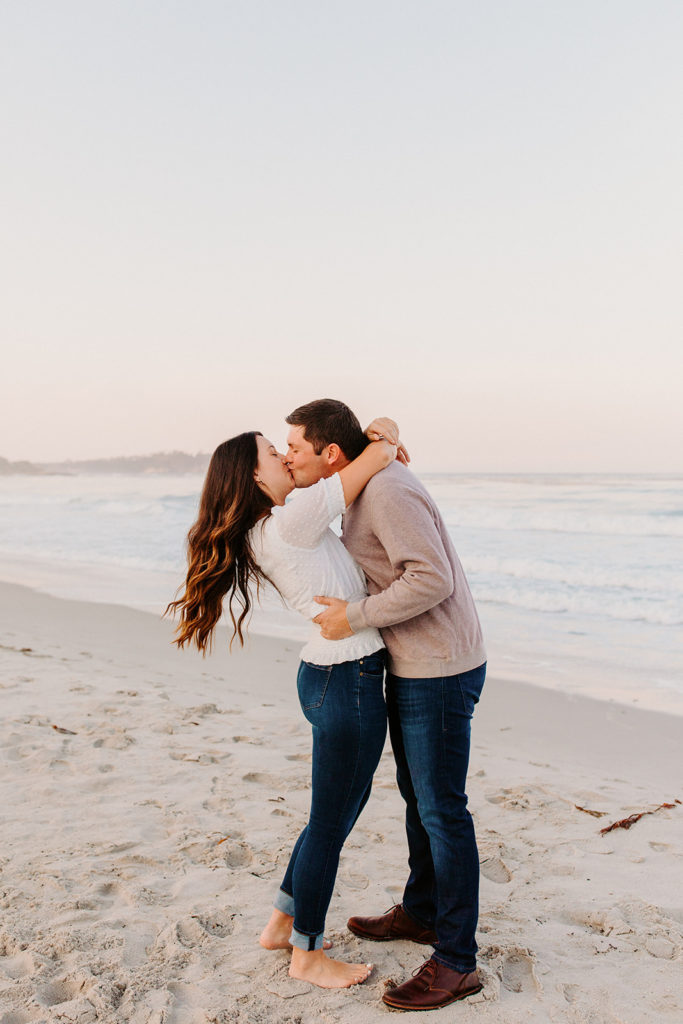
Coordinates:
[160,462]
[24,468]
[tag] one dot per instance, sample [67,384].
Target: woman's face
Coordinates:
[271,474]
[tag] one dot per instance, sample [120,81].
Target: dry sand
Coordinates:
[150,799]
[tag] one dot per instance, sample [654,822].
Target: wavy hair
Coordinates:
[220,559]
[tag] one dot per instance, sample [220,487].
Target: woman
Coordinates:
[245,535]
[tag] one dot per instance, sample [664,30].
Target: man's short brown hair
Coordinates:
[327,421]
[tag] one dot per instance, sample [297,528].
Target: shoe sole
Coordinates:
[391,938]
[447,1002]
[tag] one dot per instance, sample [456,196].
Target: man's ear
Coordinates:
[333,453]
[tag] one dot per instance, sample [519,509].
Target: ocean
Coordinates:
[578,578]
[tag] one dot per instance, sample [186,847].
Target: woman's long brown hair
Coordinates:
[220,559]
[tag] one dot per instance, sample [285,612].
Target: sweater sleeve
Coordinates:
[303,521]
[424,578]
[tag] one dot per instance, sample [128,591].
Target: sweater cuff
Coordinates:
[354,613]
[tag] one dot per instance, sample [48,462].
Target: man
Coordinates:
[420,599]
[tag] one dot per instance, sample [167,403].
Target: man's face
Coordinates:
[305,466]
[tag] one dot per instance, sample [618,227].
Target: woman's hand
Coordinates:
[383,427]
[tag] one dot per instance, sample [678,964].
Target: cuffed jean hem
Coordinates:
[306,942]
[284,902]
[460,968]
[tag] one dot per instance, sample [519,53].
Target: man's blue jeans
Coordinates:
[346,708]
[429,724]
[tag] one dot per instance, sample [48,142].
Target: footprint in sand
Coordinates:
[660,946]
[508,798]
[236,854]
[189,932]
[177,755]
[222,794]
[218,925]
[248,739]
[195,929]
[108,894]
[119,741]
[608,922]
[108,709]
[298,757]
[62,991]
[526,798]
[570,992]
[201,711]
[16,749]
[263,778]
[16,967]
[186,1008]
[517,972]
[494,868]
[353,879]
[17,1017]
[218,804]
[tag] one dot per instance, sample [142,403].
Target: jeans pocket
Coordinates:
[372,664]
[471,684]
[312,682]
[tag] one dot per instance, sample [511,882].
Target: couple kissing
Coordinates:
[395,641]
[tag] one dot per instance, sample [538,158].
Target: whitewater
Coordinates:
[578,578]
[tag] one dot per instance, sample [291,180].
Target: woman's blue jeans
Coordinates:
[429,723]
[346,708]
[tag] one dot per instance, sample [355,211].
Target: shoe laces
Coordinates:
[427,965]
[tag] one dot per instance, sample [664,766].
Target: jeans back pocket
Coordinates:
[312,681]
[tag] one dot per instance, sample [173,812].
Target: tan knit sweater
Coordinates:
[419,595]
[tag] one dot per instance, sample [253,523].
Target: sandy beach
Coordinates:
[150,800]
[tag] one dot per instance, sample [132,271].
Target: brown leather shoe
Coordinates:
[395,924]
[432,987]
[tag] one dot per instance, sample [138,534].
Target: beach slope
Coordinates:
[150,799]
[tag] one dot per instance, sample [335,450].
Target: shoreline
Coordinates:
[63,609]
[570,660]
[152,798]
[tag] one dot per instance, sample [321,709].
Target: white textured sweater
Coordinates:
[298,551]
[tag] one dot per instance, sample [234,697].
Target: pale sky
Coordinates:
[464,215]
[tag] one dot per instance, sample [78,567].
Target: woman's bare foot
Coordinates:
[276,933]
[320,970]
